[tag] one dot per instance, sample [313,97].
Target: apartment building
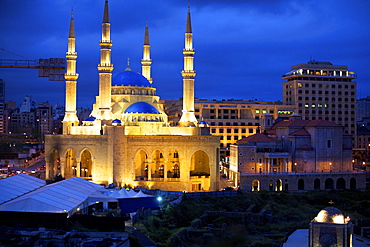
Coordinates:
[321,90]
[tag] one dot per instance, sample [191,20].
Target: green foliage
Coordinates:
[269,212]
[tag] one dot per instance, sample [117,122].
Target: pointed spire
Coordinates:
[188,21]
[106,13]
[128,65]
[72,26]
[146,37]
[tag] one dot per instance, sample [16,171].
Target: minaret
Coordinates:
[105,69]
[70,117]
[188,74]
[146,61]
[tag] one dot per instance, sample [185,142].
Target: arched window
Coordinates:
[278,185]
[329,184]
[352,184]
[301,184]
[316,184]
[256,185]
[341,184]
[176,171]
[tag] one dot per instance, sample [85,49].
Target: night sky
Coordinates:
[242,47]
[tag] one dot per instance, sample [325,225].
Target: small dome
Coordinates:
[203,122]
[90,119]
[142,107]
[117,121]
[330,215]
[130,78]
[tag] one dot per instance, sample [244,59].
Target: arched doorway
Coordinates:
[256,185]
[300,184]
[278,185]
[341,184]
[200,171]
[70,168]
[199,164]
[86,164]
[141,166]
[316,184]
[54,164]
[352,184]
[329,184]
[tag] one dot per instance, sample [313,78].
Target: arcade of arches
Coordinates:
[297,183]
[173,163]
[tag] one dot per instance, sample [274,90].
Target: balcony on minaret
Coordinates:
[106,42]
[71,55]
[188,74]
[71,76]
[105,67]
[188,51]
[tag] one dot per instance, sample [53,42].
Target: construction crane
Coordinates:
[53,68]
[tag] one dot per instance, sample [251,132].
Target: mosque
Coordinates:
[127,139]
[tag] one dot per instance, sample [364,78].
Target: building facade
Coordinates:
[295,155]
[231,120]
[127,139]
[321,90]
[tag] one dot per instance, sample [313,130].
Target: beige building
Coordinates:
[127,139]
[231,120]
[321,90]
[295,155]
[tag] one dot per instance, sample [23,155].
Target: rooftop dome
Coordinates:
[330,215]
[130,78]
[142,107]
[203,122]
[116,121]
[90,119]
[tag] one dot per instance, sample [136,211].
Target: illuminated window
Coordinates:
[299,84]
[257,111]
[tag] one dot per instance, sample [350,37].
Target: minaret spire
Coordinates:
[70,117]
[146,61]
[188,117]
[105,69]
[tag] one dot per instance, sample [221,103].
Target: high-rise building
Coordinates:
[363,108]
[44,118]
[321,90]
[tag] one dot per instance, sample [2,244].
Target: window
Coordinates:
[221,131]
[329,143]
[228,130]
[250,131]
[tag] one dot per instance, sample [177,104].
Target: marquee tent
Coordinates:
[18,185]
[67,196]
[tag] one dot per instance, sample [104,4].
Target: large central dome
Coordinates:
[130,78]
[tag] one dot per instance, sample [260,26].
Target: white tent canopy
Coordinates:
[67,196]
[15,186]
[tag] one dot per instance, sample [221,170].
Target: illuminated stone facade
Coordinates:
[127,139]
[330,228]
[295,155]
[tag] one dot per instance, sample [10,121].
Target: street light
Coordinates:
[330,166]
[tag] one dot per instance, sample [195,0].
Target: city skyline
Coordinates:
[241,44]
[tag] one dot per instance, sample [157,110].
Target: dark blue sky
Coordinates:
[242,46]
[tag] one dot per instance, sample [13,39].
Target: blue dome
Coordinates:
[203,122]
[90,119]
[116,121]
[142,107]
[130,78]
